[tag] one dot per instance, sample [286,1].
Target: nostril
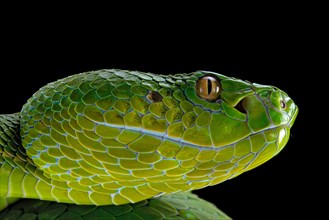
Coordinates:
[240,107]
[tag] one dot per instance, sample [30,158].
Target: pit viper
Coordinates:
[117,144]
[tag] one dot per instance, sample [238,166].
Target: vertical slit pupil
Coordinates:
[209,87]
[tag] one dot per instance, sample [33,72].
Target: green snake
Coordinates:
[116,144]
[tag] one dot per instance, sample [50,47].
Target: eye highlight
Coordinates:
[208,88]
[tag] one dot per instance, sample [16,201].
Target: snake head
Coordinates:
[116,136]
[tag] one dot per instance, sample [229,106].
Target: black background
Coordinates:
[278,189]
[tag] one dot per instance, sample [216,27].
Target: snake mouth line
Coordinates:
[180,141]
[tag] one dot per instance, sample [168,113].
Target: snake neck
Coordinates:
[9,145]
[17,171]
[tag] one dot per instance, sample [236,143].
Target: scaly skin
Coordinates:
[117,137]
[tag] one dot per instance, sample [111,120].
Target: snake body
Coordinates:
[134,139]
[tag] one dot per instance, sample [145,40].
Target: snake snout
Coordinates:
[282,109]
[293,117]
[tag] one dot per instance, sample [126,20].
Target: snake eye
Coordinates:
[283,104]
[208,88]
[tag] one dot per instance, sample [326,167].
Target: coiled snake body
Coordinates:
[126,144]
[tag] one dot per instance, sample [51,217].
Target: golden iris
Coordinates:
[208,87]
